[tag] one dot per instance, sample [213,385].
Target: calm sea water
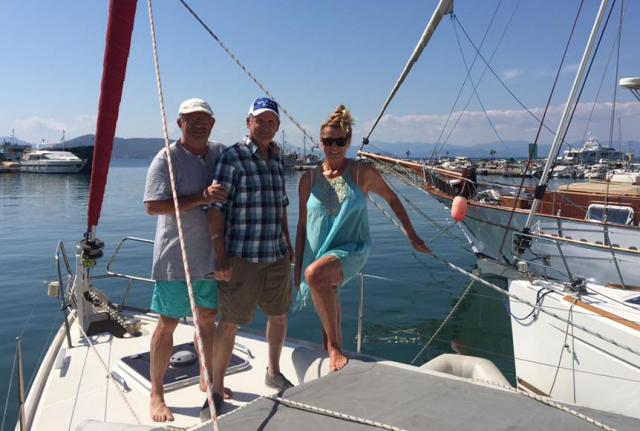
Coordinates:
[401,312]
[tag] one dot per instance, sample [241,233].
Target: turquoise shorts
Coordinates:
[171,298]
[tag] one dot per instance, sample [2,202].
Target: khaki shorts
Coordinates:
[265,284]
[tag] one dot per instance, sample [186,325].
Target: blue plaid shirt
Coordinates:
[256,202]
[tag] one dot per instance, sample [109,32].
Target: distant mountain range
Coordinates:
[146,148]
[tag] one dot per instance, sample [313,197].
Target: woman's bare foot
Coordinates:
[227,393]
[337,360]
[159,410]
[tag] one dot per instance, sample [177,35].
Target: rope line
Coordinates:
[92,347]
[551,403]
[544,115]
[444,322]
[513,296]
[248,72]
[502,83]
[331,413]
[467,76]
[474,87]
[419,338]
[444,8]
[176,204]
[6,402]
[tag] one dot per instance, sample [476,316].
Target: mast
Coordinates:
[116,54]
[566,114]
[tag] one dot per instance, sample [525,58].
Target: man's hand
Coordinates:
[215,193]
[223,268]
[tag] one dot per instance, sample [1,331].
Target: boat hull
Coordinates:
[561,248]
[52,167]
[570,365]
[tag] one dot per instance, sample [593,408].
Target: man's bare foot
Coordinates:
[226,393]
[337,360]
[159,410]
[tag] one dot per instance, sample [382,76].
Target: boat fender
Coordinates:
[458,208]
[182,358]
[468,367]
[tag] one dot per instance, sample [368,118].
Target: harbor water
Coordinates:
[406,298]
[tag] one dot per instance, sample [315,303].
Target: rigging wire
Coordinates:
[417,337]
[172,177]
[509,294]
[473,86]
[613,114]
[444,321]
[546,109]
[597,96]
[248,72]
[6,401]
[444,7]
[482,75]
[501,81]
[562,349]
[473,62]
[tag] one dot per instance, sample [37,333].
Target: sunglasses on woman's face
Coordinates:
[340,142]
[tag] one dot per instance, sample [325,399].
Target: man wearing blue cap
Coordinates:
[251,241]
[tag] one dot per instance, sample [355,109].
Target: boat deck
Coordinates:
[80,389]
[75,389]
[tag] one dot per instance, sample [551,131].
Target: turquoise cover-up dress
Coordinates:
[337,225]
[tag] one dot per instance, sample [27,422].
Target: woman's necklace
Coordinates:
[338,188]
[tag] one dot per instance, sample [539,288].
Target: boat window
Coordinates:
[616,214]
[635,300]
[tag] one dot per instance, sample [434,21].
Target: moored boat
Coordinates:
[51,162]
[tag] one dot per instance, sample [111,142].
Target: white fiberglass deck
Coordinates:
[81,390]
[393,393]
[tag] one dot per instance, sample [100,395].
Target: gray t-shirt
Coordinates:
[193,174]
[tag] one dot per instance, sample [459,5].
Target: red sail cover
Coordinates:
[121,18]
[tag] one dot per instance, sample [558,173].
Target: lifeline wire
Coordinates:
[6,402]
[332,413]
[511,295]
[444,322]
[176,204]
[92,347]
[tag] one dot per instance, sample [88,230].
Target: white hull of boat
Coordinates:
[568,364]
[52,167]
[560,247]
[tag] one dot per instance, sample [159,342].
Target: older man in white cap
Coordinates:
[193,159]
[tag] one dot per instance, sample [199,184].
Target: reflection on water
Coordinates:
[36,211]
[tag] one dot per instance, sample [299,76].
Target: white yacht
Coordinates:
[51,162]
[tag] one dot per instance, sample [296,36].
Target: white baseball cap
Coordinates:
[194,105]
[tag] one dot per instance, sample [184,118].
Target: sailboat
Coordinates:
[93,375]
[570,254]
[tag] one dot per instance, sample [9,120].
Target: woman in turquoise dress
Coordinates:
[332,241]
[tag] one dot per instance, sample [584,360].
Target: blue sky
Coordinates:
[312,55]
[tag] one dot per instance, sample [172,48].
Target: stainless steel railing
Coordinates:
[61,255]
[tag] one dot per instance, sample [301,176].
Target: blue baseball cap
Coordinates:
[263,104]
